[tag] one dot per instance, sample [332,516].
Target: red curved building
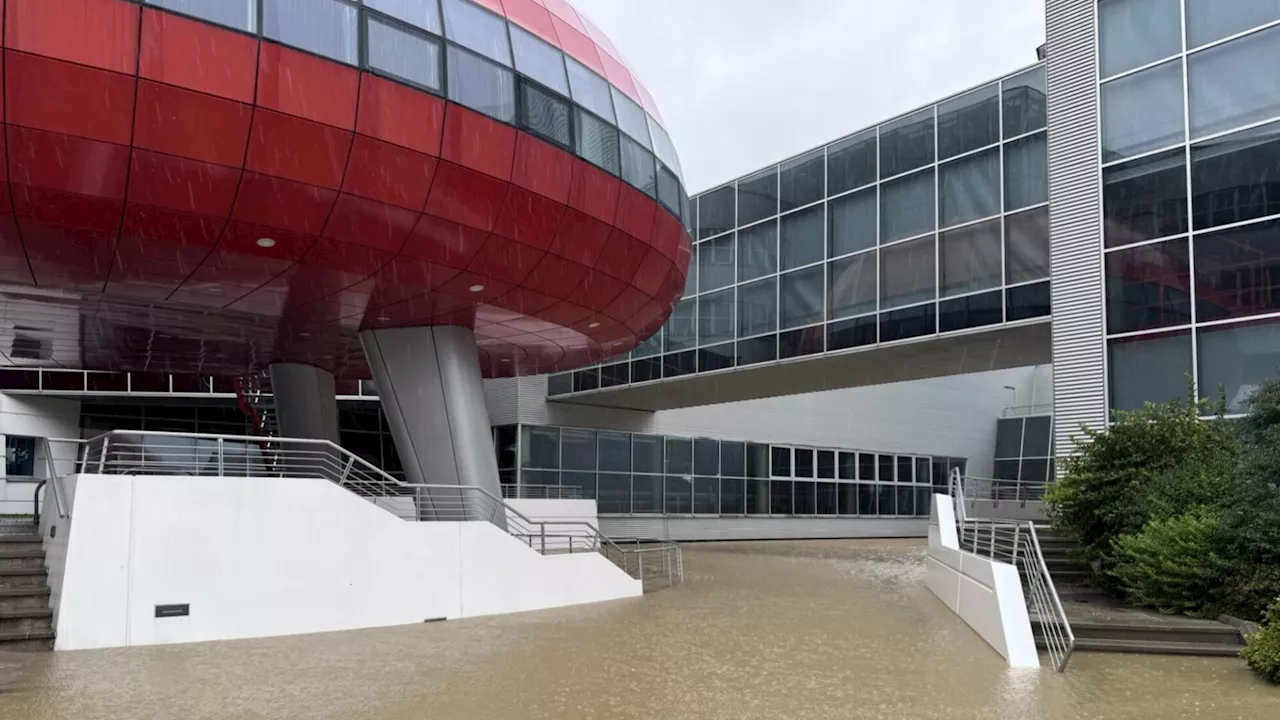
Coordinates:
[424,190]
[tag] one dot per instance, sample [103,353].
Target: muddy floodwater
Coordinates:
[775,631]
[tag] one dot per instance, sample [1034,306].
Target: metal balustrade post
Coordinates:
[221,461]
[102,459]
[543,530]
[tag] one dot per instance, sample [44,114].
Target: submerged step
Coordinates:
[1154,648]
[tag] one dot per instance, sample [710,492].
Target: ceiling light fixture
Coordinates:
[384,318]
[266,242]
[594,325]
[476,288]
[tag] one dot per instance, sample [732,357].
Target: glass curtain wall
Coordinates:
[1023,456]
[1190,107]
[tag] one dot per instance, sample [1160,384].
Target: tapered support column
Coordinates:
[305,400]
[433,396]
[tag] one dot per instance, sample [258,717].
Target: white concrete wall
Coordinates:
[258,557]
[38,417]
[986,594]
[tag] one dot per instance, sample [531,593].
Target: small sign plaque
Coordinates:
[167,611]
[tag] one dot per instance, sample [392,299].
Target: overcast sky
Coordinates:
[743,83]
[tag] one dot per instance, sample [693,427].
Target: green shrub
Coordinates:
[1251,589]
[1263,650]
[1174,565]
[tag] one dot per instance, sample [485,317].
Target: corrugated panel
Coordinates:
[502,397]
[1075,209]
[749,528]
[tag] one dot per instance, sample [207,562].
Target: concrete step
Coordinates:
[1173,632]
[19,538]
[26,621]
[1154,648]
[19,558]
[23,598]
[9,528]
[19,578]
[32,641]
[1073,576]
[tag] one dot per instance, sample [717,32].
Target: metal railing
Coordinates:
[1016,543]
[1026,410]
[130,452]
[976,488]
[542,492]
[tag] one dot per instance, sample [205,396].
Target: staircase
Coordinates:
[26,622]
[1105,625]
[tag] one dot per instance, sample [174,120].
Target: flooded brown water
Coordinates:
[774,631]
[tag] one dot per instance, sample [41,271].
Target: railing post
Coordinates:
[102,458]
[543,531]
[221,455]
[640,558]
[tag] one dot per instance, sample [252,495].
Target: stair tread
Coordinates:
[41,634]
[24,592]
[1153,627]
[25,613]
[23,571]
[20,539]
[6,554]
[1158,646]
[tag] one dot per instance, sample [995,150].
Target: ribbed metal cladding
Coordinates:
[1075,209]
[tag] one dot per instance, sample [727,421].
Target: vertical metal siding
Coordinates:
[1075,210]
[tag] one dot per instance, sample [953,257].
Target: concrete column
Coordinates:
[432,393]
[305,400]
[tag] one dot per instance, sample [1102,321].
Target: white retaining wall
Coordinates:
[258,557]
[985,594]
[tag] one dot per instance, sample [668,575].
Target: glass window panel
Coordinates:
[1149,369]
[631,118]
[1236,178]
[971,258]
[827,464]
[906,501]
[1234,84]
[780,497]
[677,364]
[650,347]
[780,461]
[1026,172]
[481,85]
[758,350]
[1209,20]
[907,206]
[757,251]
[970,187]
[1027,301]
[668,189]
[924,500]
[1033,471]
[534,58]
[473,27]
[1026,238]
[866,466]
[1025,105]
[663,147]
[585,482]
[588,379]
[546,115]
[803,462]
[847,466]
[646,370]
[851,163]
[758,308]
[848,498]
[540,447]
[1145,199]
[802,180]
[681,330]
[560,384]
[716,212]
[969,122]
[679,452]
[801,294]
[589,89]
[646,453]
[706,496]
[907,273]
[803,242]
[1148,287]
[1035,441]
[758,197]
[905,469]
[615,375]
[238,14]
[971,311]
[1237,359]
[638,167]
[678,497]
[797,343]
[324,27]
[757,460]
[1238,271]
[404,55]
[887,504]
[1132,33]
[615,451]
[719,357]
[715,317]
[851,286]
[852,222]
[1009,433]
[1006,469]
[646,494]
[867,497]
[715,263]
[806,501]
[858,332]
[827,499]
[614,496]
[923,471]
[1142,112]
[733,459]
[733,496]
[908,323]
[757,497]
[906,144]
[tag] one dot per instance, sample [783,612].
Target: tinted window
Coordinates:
[1149,369]
[851,286]
[1026,172]
[806,341]
[1026,237]
[1035,442]
[803,462]
[1025,107]
[589,89]
[720,357]
[1145,199]
[1027,301]
[716,212]
[538,60]
[578,448]
[906,144]
[780,461]
[546,114]
[1237,359]
[758,308]
[1238,271]
[1132,33]
[715,317]
[706,457]
[907,273]
[909,323]
[757,251]
[1209,20]
[631,118]
[663,147]
[851,163]
[679,456]
[971,311]
[1234,84]
[758,350]
[324,27]
[853,333]
[732,459]
[540,447]
[852,220]
[1148,287]
[969,122]
[802,181]
[907,206]
[758,197]
[681,330]
[638,167]
[668,189]
[801,297]
[1142,112]
[970,188]
[715,263]
[802,237]
[481,85]
[647,453]
[597,142]
[971,258]
[1237,177]
[241,14]
[404,55]
[473,27]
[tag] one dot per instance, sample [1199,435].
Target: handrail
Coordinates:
[542,492]
[999,489]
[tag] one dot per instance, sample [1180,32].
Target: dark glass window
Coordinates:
[715,317]
[646,370]
[851,286]
[30,380]
[534,58]
[969,122]
[801,297]
[706,456]
[866,466]
[758,350]
[907,206]
[803,181]
[885,468]
[733,496]
[681,330]
[646,494]
[1026,238]
[923,470]
[1142,112]
[1236,178]
[909,323]
[802,237]
[906,144]
[733,459]
[780,497]
[706,496]
[590,90]
[638,167]
[716,211]
[848,493]
[1209,20]
[546,114]
[887,505]
[646,453]
[906,469]
[852,333]
[1036,439]
[584,481]
[907,273]
[614,496]
[1148,287]
[906,501]
[1234,84]
[1025,105]
[757,497]
[971,311]
[1149,369]
[615,375]
[540,447]
[827,503]
[1009,437]
[867,499]
[482,85]
[404,55]
[1026,172]
[1132,33]
[473,27]
[1006,469]
[677,364]
[852,222]
[971,258]
[631,118]
[758,251]
[720,357]
[851,163]
[1238,271]
[969,188]
[758,307]
[1145,199]
[243,15]
[324,27]
[757,460]
[669,192]
[827,464]
[803,463]
[780,463]
[679,495]
[847,465]
[1027,301]
[758,197]
[797,343]
[588,379]
[679,452]
[806,501]
[19,456]
[597,142]
[615,451]
[1236,359]
[715,263]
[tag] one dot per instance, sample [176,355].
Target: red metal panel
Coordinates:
[635,213]
[594,191]
[597,290]
[532,17]
[477,142]
[191,124]
[273,202]
[180,184]
[651,273]
[369,223]
[466,196]
[629,303]
[564,12]
[55,208]
[618,74]
[505,260]
[622,256]
[577,45]
[556,277]
[542,168]
[100,33]
[67,98]
[388,173]
[67,163]
[307,86]
[199,56]
[400,115]
[529,218]
[296,149]
[582,238]
[444,242]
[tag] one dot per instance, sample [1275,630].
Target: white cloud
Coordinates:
[743,83]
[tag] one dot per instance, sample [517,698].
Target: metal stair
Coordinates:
[26,622]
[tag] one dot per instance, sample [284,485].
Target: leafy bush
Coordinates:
[1263,650]
[1174,565]
[1251,589]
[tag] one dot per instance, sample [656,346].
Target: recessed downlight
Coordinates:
[594,325]
[384,318]
[304,334]
[476,288]
[265,242]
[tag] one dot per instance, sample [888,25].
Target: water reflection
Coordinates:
[786,630]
